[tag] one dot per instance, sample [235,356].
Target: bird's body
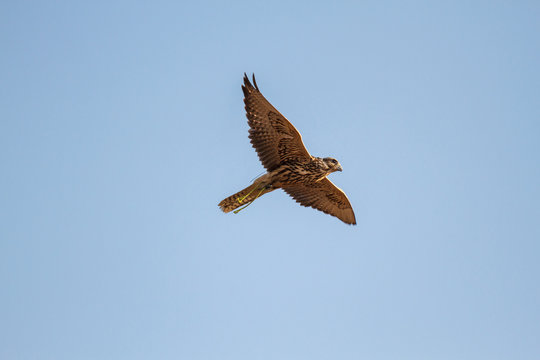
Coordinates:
[289,165]
[298,172]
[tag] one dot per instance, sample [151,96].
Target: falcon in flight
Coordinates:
[288,163]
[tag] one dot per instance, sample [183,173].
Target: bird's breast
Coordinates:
[297,172]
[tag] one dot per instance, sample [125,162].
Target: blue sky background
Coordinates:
[122,126]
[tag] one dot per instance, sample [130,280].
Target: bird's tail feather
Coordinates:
[243,197]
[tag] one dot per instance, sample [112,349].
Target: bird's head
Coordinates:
[332,164]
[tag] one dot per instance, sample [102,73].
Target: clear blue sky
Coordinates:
[122,126]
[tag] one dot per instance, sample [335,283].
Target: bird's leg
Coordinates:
[251,202]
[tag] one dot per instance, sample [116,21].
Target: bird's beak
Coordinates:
[338,168]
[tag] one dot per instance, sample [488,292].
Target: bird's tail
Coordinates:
[244,197]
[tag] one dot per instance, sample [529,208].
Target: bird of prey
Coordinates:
[288,163]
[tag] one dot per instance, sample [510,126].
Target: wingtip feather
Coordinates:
[248,83]
[255,82]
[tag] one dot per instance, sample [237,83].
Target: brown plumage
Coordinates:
[289,165]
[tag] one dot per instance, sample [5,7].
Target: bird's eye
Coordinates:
[334,161]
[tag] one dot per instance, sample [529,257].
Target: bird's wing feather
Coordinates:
[274,138]
[324,196]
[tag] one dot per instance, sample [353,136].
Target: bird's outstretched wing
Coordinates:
[323,195]
[274,138]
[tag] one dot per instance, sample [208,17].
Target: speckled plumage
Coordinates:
[289,165]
